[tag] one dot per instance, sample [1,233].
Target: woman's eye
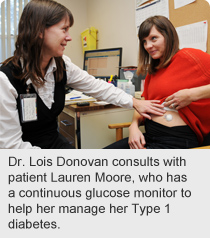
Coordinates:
[154,38]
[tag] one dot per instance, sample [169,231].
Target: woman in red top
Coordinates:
[183,74]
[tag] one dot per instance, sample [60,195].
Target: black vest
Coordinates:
[42,132]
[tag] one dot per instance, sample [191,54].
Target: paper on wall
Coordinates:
[182,3]
[140,2]
[156,7]
[193,35]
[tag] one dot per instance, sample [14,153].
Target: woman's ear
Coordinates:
[41,35]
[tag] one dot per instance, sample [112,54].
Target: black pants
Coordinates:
[158,136]
[60,143]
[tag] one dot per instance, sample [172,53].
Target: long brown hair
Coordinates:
[165,27]
[37,16]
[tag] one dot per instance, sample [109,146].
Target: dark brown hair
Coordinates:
[37,16]
[165,27]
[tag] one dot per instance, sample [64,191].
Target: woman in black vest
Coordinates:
[33,80]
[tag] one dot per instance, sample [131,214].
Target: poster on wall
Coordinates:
[193,35]
[140,2]
[156,7]
[182,3]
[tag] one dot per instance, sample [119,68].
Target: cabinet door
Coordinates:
[94,130]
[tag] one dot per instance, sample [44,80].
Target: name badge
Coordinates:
[28,104]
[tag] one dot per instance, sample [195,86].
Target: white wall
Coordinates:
[79,11]
[115,21]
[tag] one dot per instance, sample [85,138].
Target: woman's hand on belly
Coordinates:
[176,120]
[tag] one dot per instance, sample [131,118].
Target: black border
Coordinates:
[107,49]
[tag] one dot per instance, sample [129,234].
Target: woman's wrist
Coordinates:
[134,102]
[192,94]
[135,124]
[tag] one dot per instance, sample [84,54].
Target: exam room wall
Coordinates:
[115,21]
[79,11]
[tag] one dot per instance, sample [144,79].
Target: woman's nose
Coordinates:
[68,37]
[148,45]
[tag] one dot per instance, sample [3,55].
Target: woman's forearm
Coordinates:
[137,119]
[201,92]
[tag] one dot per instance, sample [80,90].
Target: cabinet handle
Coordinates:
[66,123]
